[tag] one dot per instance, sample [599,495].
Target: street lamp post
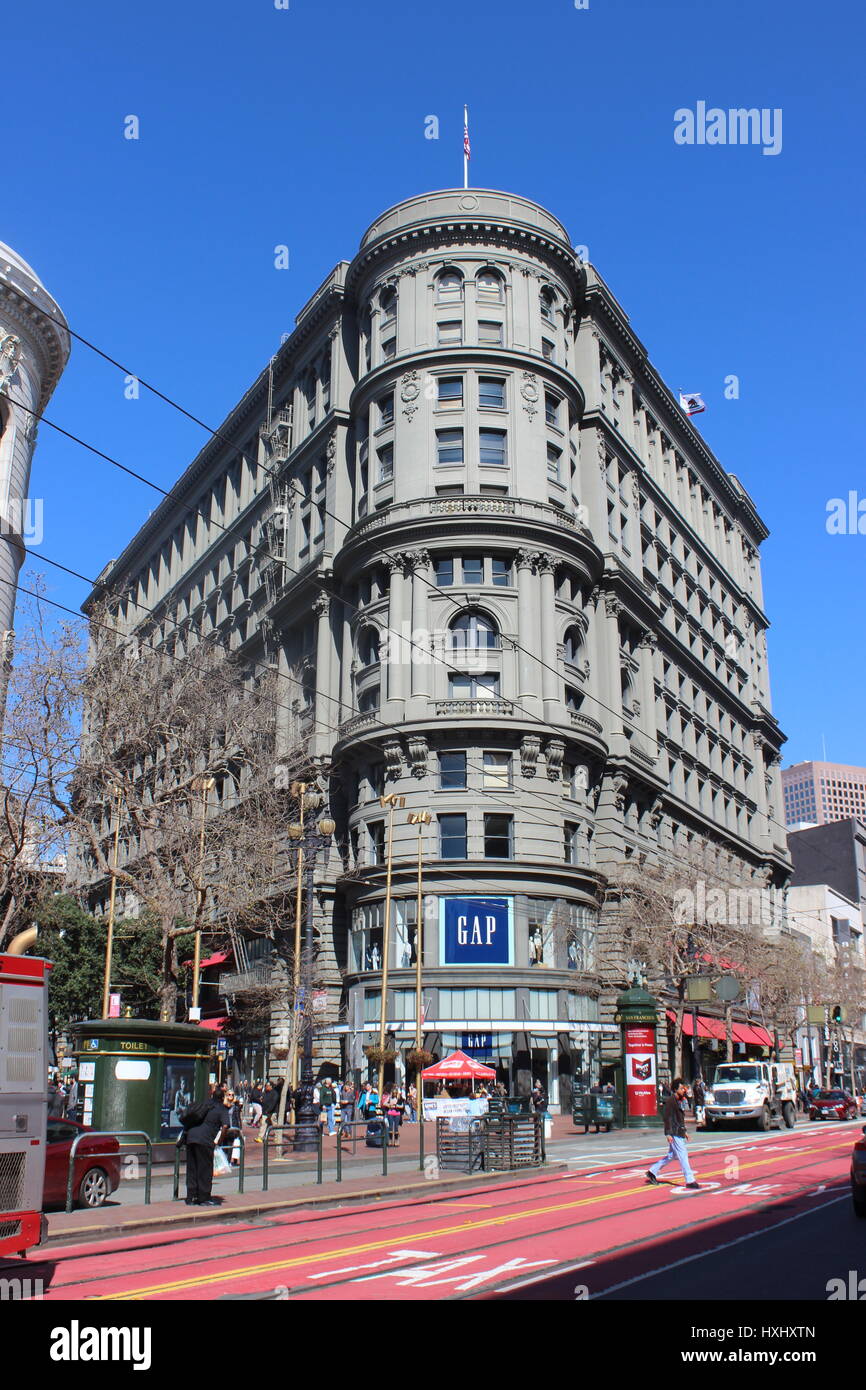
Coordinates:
[203,785]
[310,841]
[419,818]
[109,944]
[392,801]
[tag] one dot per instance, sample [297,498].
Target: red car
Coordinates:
[858,1176]
[833,1105]
[97,1165]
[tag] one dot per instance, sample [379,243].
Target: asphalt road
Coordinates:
[766,1203]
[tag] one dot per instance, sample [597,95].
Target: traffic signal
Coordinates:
[837,1013]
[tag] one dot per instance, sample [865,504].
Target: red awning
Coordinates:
[216,959]
[217,1024]
[707,1027]
[752,1033]
[458,1066]
[715,1028]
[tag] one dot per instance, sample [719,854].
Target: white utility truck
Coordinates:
[759,1092]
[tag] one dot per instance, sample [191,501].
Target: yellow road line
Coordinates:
[246,1271]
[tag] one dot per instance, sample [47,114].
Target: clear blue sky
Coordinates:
[262,126]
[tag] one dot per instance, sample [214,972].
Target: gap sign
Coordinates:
[476,931]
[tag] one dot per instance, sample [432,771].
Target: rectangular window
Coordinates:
[501,571]
[497,771]
[452,837]
[449,334]
[467,687]
[376,779]
[489,333]
[376,833]
[372,1005]
[456,1004]
[492,448]
[386,463]
[547,350]
[570,842]
[491,393]
[497,837]
[386,410]
[473,569]
[551,409]
[542,1004]
[553,457]
[449,446]
[452,772]
[450,390]
[444,571]
[389,349]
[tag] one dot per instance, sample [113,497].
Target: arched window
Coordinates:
[368,647]
[489,284]
[449,285]
[547,301]
[388,307]
[573,646]
[474,632]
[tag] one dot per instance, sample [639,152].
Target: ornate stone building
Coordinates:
[505,578]
[34,347]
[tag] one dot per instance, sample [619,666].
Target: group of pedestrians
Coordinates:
[62,1100]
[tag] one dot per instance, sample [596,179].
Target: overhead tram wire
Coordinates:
[352,608]
[516,646]
[555,803]
[42,598]
[272,473]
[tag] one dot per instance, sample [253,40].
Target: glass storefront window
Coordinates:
[476,1003]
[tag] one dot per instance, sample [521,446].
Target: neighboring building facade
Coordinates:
[34,348]
[831,926]
[834,854]
[504,577]
[819,793]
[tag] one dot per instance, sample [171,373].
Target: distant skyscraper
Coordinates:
[34,348]
[823,792]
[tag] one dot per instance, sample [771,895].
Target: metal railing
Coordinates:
[381,1126]
[316,1145]
[117,1134]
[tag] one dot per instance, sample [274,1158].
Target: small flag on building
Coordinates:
[467,152]
[693,404]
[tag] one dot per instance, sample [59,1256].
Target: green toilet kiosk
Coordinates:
[136,1074]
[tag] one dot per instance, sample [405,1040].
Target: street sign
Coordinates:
[727,988]
[222,1046]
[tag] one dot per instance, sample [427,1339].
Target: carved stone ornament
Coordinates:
[529,751]
[321,605]
[331,453]
[10,353]
[393,759]
[612,605]
[554,753]
[656,813]
[410,390]
[417,749]
[619,787]
[529,392]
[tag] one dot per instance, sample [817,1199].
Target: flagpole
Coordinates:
[465,155]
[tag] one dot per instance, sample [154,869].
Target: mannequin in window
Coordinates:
[376,956]
[536,947]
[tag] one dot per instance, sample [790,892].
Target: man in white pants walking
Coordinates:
[675,1129]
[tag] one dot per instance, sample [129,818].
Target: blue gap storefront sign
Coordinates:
[476,931]
[477,1045]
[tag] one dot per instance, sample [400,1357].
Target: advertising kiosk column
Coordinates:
[637,1015]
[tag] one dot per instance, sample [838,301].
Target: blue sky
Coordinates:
[261,127]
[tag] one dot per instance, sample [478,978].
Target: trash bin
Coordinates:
[373,1136]
[518,1105]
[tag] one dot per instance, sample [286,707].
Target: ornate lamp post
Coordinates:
[309,841]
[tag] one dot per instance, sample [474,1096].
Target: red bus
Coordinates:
[23,1097]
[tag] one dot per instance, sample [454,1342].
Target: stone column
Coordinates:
[346,666]
[647,722]
[550,684]
[609,642]
[325,709]
[527,668]
[397,646]
[421,677]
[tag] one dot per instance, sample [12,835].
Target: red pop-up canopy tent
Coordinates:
[458,1067]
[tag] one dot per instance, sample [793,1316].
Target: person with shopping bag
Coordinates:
[205,1125]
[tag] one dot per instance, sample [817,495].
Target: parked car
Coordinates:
[833,1105]
[858,1176]
[97,1165]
